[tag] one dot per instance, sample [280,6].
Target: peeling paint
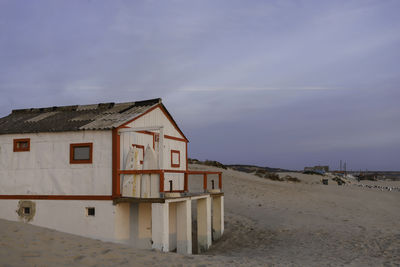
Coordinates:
[23,205]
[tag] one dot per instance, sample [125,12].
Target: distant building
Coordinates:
[317,169]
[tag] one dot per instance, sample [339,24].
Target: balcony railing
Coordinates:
[162,173]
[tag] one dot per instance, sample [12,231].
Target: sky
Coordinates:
[282,84]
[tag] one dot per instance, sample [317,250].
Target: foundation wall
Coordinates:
[140,225]
[172,226]
[68,216]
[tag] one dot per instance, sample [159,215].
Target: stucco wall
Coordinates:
[157,118]
[69,216]
[46,168]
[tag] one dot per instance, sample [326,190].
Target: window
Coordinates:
[81,153]
[21,145]
[27,210]
[175,158]
[90,211]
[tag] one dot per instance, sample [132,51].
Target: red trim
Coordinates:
[187,173]
[165,113]
[80,161]
[175,165]
[164,110]
[150,133]
[200,172]
[156,136]
[145,132]
[22,149]
[139,172]
[161,182]
[186,183]
[175,138]
[176,191]
[166,171]
[142,148]
[141,115]
[57,197]
[115,163]
[187,167]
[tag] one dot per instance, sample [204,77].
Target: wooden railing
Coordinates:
[162,175]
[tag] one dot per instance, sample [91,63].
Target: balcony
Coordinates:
[161,188]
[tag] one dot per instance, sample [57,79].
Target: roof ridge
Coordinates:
[106,105]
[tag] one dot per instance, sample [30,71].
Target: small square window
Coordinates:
[90,211]
[175,158]
[81,153]
[27,210]
[21,145]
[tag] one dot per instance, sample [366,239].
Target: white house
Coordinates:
[116,172]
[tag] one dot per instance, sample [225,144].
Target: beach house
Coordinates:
[112,171]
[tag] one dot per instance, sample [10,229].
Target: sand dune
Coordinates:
[267,223]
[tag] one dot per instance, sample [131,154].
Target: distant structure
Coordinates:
[317,169]
[116,172]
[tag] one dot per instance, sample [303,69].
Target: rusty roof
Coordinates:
[102,116]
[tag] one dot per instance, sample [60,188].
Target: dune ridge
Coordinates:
[266,223]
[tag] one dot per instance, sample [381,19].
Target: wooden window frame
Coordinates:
[173,165]
[80,161]
[142,148]
[16,141]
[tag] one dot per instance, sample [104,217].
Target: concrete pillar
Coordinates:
[203,224]
[172,226]
[121,230]
[217,217]
[140,225]
[184,227]
[160,226]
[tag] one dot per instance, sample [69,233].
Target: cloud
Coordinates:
[250,89]
[282,68]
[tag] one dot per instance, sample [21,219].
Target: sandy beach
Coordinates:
[267,223]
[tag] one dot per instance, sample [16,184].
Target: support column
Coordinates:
[203,224]
[184,227]
[217,217]
[172,226]
[122,230]
[160,226]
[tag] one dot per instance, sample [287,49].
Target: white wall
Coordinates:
[157,118]
[69,216]
[127,139]
[46,170]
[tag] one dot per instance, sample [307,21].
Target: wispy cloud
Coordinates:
[250,89]
[287,69]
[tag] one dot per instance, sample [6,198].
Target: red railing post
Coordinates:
[205,182]
[220,180]
[185,182]
[161,181]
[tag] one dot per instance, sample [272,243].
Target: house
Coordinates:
[112,171]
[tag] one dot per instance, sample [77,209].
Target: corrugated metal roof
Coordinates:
[101,116]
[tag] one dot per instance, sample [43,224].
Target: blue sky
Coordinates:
[274,83]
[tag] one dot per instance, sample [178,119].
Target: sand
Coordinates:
[266,223]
